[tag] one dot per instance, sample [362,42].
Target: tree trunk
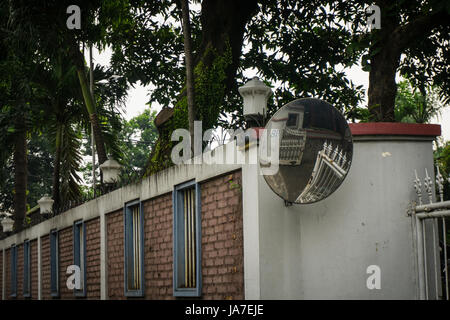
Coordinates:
[189,69]
[223,22]
[384,61]
[387,46]
[57,167]
[20,173]
[78,60]
[382,86]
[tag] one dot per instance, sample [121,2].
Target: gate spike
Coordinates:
[329,149]
[344,161]
[339,159]
[418,187]
[428,186]
[335,153]
[440,184]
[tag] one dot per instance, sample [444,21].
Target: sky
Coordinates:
[138,96]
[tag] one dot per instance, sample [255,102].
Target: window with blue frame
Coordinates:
[187,281]
[134,249]
[54,263]
[26,269]
[79,255]
[13,279]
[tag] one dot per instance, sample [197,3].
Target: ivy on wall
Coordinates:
[210,76]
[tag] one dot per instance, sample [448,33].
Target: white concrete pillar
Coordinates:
[250,213]
[323,250]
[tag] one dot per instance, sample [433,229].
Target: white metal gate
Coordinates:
[431,242]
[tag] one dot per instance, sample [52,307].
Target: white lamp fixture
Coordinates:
[45,204]
[7,224]
[110,169]
[255,94]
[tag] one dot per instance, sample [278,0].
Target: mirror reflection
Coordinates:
[315,150]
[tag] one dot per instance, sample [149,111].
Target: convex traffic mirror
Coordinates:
[315,150]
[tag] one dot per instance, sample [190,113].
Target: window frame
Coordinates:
[77,226]
[54,259]
[127,233]
[27,269]
[13,273]
[178,231]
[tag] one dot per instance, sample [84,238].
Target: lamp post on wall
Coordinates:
[255,94]
[46,204]
[111,170]
[91,89]
[7,224]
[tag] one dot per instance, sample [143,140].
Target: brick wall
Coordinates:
[19,270]
[7,273]
[158,261]
[45,267]
[93,258]
[65,260]
[222,238]
[222,243]
[34,269]
[115,244]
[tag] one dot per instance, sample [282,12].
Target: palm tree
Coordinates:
[41,26]
[78,62]
[66,119]
[15,123]
[63,110]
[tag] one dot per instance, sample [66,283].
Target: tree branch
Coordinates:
[405,35]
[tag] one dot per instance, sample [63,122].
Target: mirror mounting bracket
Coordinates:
[287,203]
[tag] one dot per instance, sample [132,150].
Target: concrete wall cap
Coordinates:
[395,129]
[387,129]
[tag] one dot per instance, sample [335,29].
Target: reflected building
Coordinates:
[307,173]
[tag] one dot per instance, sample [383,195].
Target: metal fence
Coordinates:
[430,220]
[329,170]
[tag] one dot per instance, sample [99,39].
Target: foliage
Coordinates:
[442,160]
[209,92]
[293,43]
[413,41]
[40,168]
[135,140]
[138,137]
[40,173]
[413,106]
[299,45]
[39,80]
